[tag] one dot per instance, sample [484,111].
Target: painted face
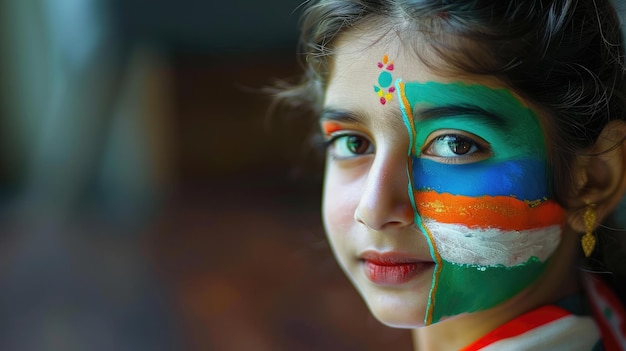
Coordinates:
[479,189]
[435,199]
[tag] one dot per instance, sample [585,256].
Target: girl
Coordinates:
[475,153]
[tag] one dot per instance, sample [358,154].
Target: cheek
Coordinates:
[339,204]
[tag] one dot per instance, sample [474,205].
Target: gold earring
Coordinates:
[588,240]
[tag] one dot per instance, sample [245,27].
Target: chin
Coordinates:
[395,310]
[398,318]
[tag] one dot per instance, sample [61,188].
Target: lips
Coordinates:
[392,268]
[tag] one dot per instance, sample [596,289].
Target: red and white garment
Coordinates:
[546,328]
[607,311]
[555,328]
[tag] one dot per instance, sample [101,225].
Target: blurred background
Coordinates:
[148,200]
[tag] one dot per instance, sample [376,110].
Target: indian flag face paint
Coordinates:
[491,224]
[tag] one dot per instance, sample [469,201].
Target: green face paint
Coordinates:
[492,114]
[490,224]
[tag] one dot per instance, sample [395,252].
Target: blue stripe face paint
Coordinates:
[483,178]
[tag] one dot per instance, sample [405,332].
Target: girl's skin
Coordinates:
[367,208]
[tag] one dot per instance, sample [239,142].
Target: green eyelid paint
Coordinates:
[524,137]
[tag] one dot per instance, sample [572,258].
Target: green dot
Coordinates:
[384,79]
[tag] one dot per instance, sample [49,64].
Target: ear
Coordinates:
[600,176]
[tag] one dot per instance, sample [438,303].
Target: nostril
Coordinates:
[392,211]
[359,218]
[388,220]
[365,218]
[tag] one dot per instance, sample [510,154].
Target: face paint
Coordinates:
[385,87]
[330,128]
[490,224]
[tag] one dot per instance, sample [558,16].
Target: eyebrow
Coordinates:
[338,115]
[362,117]
[461,110]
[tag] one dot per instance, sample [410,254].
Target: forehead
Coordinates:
[355,67]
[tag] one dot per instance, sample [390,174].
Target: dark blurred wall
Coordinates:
[223,55]
[215,27]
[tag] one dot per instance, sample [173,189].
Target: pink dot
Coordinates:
[383,100]
[392,89]
[380,65]
[390,67]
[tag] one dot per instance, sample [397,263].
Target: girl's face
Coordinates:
[435,201]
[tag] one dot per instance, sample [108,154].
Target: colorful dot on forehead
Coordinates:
[385,79]
[384,89]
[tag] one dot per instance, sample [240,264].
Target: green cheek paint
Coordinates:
[479,294]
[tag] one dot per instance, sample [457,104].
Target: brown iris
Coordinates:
[460,145]
[357,145]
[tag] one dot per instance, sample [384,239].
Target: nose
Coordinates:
[385,202]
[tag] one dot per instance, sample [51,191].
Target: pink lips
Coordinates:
[392,268]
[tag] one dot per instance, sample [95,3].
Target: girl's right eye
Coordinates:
[343,146]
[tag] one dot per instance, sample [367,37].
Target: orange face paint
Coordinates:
[501,212]
[331,127]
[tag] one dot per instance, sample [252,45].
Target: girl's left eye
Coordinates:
[455,146]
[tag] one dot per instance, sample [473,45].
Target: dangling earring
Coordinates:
[588,240]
